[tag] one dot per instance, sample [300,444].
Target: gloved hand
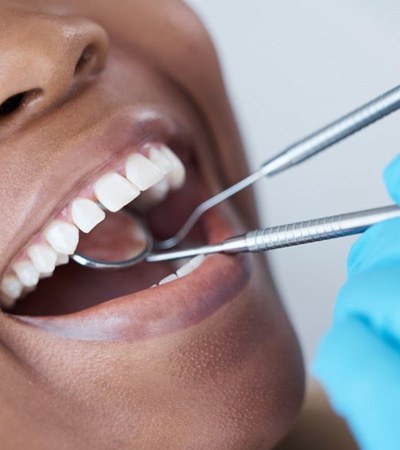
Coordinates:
[358,361]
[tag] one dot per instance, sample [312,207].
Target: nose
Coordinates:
[45,60]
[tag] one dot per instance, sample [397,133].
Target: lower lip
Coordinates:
[157,311]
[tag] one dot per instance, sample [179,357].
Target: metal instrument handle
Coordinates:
[296,154]
[333,133]
[290,235]
[311,230]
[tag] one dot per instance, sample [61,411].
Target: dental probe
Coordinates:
[290,235]
[297,153]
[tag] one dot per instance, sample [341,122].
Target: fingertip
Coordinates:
[391,177]
[377,247]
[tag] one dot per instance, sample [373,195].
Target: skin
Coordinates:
[233,381]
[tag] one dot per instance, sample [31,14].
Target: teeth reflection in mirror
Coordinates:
[142,172]
[86,214]
[11,289]
[177,176]
[163,163]
[43,258]
[62,236]
[26,273]
[114,191]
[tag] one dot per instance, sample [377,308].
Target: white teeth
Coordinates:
[163,163]
[11,289]
[26,273]
[154,175]
[142,172]
[188,268]
[159,191]
[177,176]
[63,237]
[86,214]
[43,258]
[114,191]
[191,266]
[168,279]
[43,276]
[62,260]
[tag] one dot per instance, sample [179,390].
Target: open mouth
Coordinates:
[43,288]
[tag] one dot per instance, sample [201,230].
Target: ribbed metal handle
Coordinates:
[310,231]
[297,234]
[289,235]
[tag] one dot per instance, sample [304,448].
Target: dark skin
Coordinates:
[232,381]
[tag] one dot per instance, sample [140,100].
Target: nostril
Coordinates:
[11,104]
[17,101]
[86,59]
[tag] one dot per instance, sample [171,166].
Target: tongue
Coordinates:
[117,238]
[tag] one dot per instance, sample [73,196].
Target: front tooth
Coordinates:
[43,258]
[114,191]
[26,273]
[86,214]
[11,289]
[62,236]
[168,279]
[142,172]
[177,176]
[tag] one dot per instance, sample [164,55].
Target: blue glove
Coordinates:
[358,361]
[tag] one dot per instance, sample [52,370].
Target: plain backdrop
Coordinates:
[292,66]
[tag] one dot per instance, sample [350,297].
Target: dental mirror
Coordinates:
[117,255]
[105,249]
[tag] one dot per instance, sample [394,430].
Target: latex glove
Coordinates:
[358,361]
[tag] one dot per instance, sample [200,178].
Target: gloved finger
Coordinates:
[375,297]
[378,247]
[361,374]
[391,177]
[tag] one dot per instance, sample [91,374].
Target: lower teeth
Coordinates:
[183,271]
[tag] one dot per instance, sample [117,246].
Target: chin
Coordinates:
[191,355]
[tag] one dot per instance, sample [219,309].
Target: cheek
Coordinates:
[240,379]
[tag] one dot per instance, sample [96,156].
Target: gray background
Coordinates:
[292,66]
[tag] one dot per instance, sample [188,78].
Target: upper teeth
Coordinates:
[11,289]
[158,173]
[86,214]
[114,191]
[62,236]
[142,172]
[26,273]
[43,257]
[177,175]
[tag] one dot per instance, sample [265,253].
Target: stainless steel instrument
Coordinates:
[277,237]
